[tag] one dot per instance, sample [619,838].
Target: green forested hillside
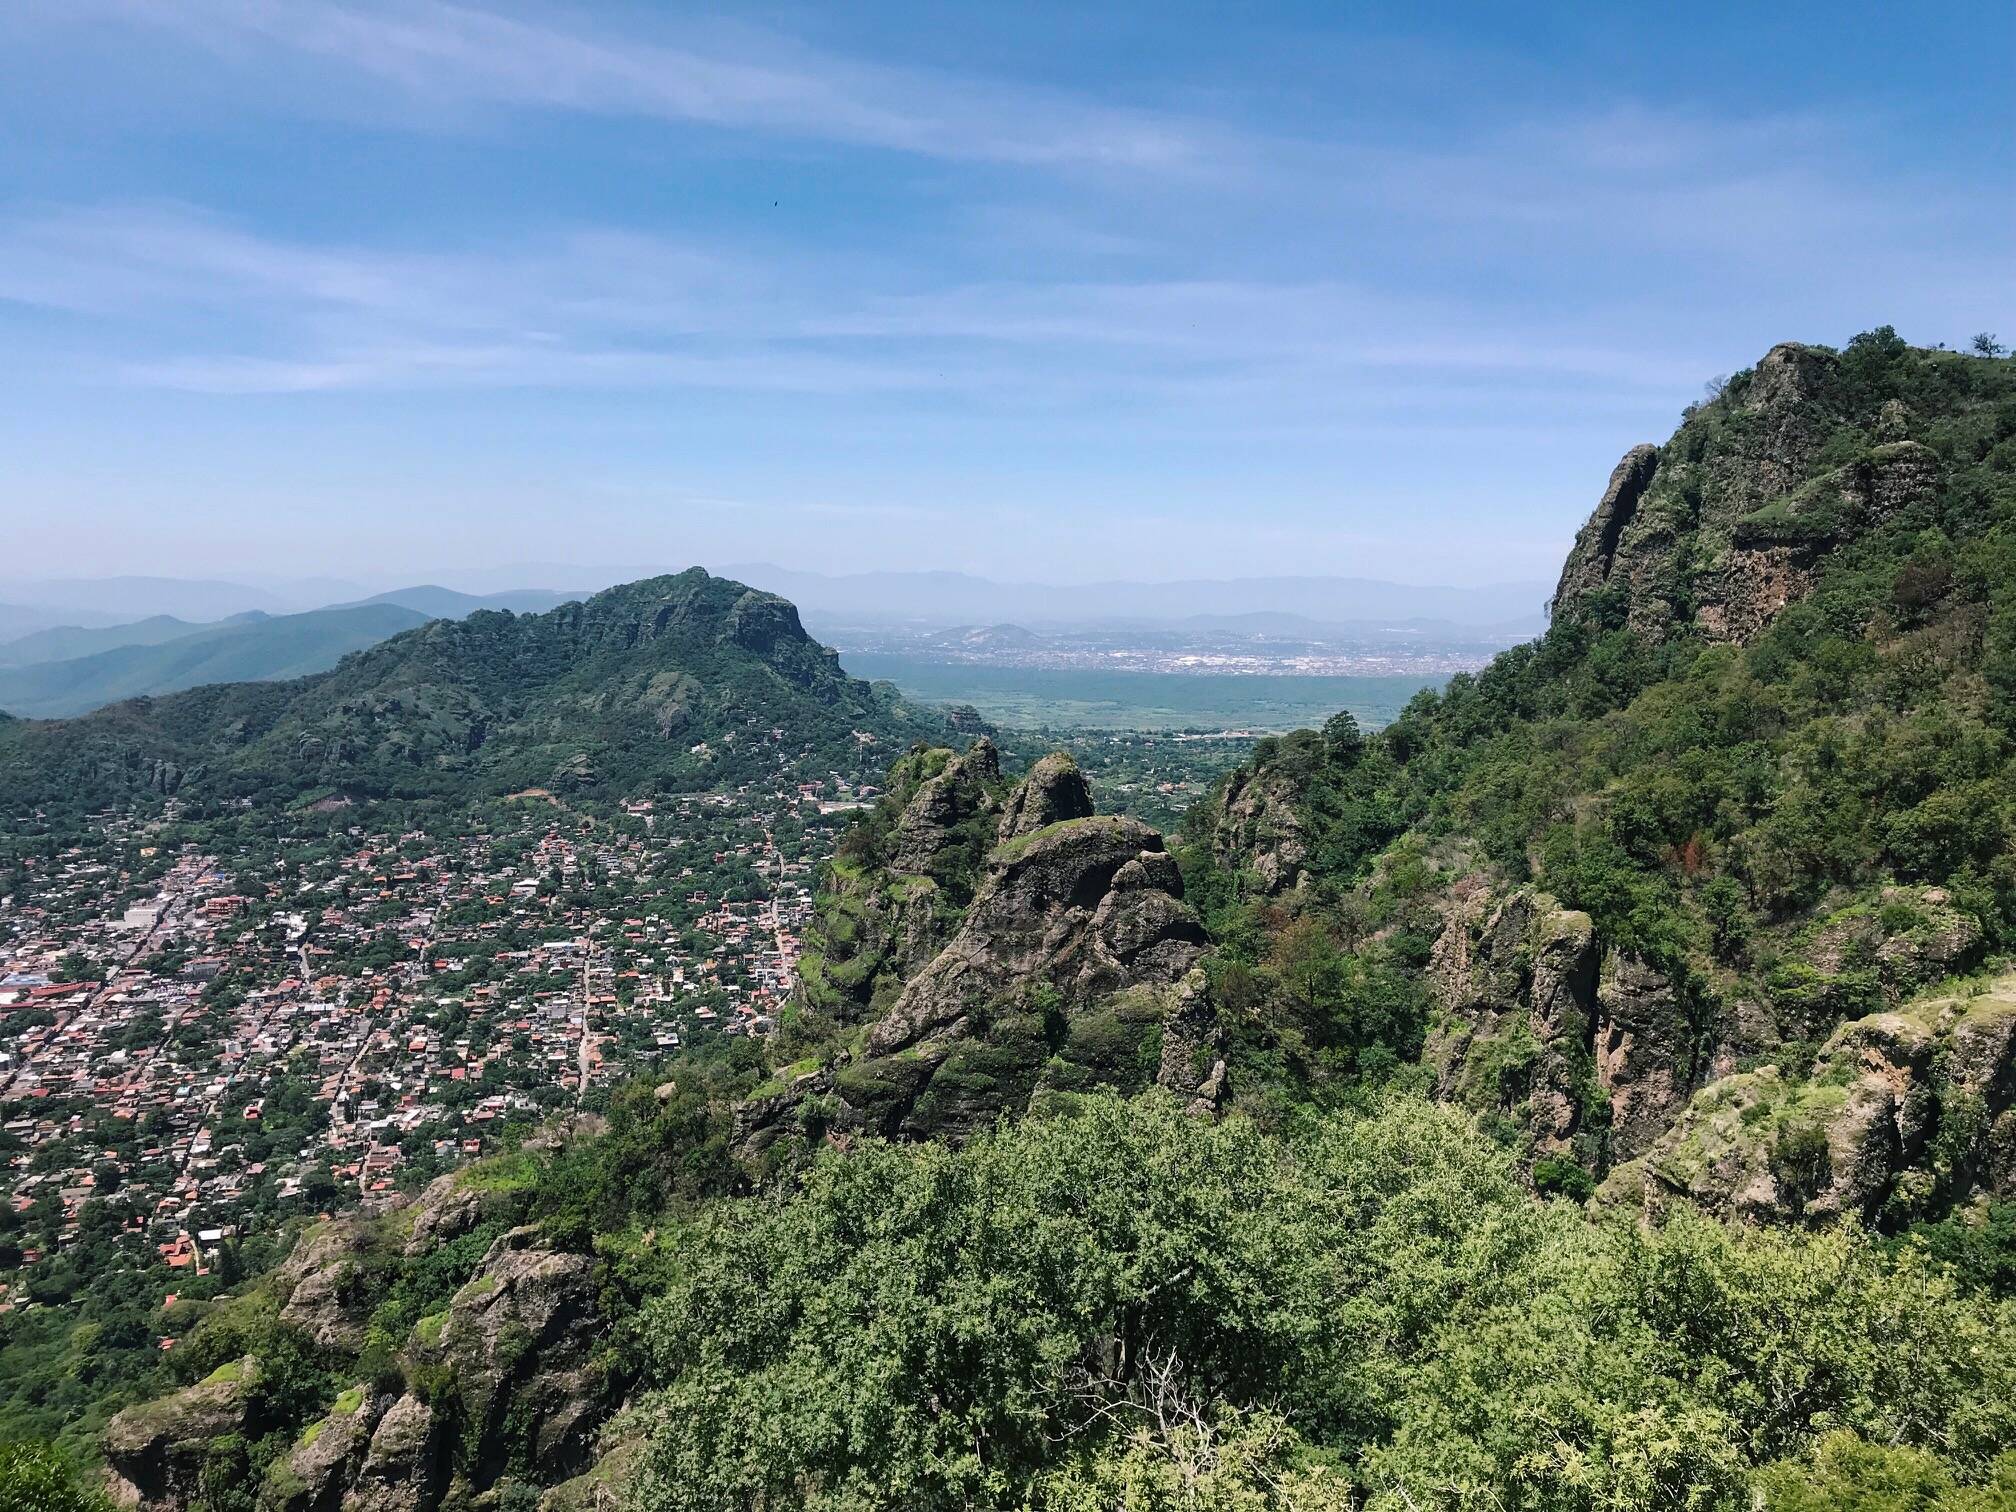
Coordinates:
[1742,791]
[68,642]
[677,682]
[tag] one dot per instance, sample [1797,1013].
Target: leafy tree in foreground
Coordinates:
[1125,1307]
[35,1477]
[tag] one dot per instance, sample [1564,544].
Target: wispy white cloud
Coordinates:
[447,55]
[199,303]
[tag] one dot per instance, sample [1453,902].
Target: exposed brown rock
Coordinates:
[1775,553]
[1514,977]
[1643,1052]
[328,1458]
[404,1470]
[1258,828]
[319,1282]
[1595,550]
[963,789]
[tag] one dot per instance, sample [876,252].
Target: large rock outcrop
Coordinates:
[934,820]
[1902,1110]
[503,1385]
[1072,966]
[319,1282]
[1533,1020]
[1730,522]
[328,1458]
[1773,555]
[1593,558]
[506,1390]
[157,1450]
[519,1341]
[1258,827]
[404,1467]
[1054,790]
[882,916]
[1514,982]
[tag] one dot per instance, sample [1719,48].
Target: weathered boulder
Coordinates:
[1054,790]
[157,1449]
[327,1459]
[1902,1108]
[517,1343]
[1258,828]
[319,1281]
[449,1208]
[1066,970]
[405,1467]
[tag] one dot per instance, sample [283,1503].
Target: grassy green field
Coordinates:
[1069,698]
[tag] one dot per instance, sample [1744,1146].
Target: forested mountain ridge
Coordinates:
[268,647]
[1753,784]
[672,681]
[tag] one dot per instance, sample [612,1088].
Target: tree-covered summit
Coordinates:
[673,683]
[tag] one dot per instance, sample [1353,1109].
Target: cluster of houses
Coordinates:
[221,1039]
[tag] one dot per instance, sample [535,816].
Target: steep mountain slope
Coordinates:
[673,682]
[1755,781]
[256,650]
[1658,897]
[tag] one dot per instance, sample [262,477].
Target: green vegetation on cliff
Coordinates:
[1771,766]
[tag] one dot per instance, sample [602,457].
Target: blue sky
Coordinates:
[1056,291]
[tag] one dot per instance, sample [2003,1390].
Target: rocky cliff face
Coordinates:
[1259,828]
[158,1450]
[1902,1110]
[1534,1020]
[1072,966]
[503,1387]
[888,910]
[1730,522]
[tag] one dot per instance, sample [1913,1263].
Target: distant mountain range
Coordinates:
[73,669]
[111,600]
[61,654]
[252,650]
[68,642]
